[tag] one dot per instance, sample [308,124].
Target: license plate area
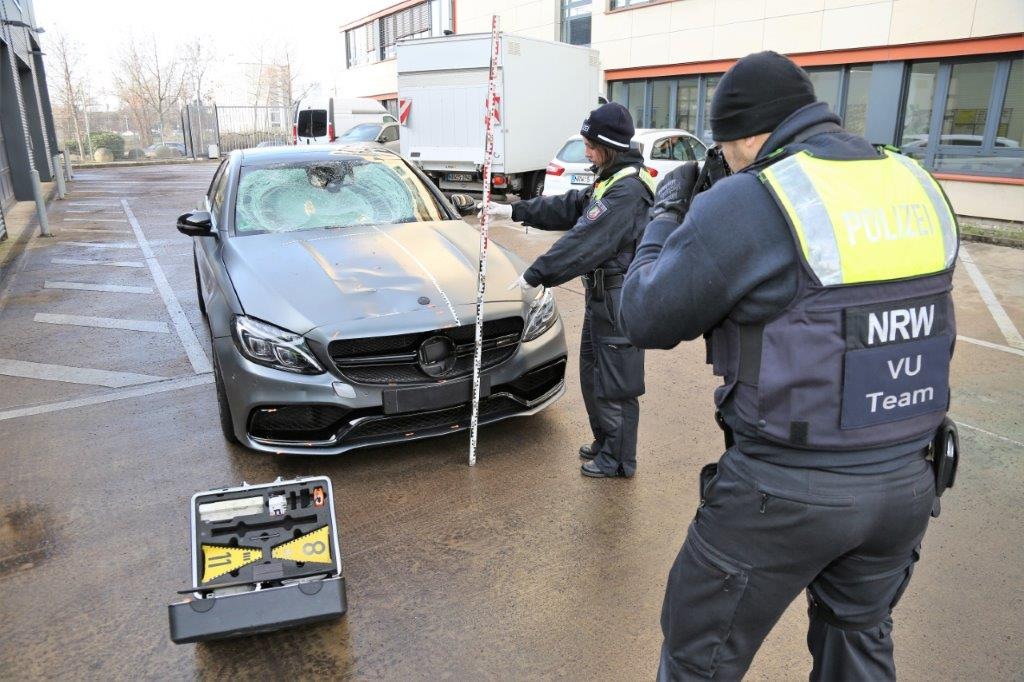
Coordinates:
[460,177]
[436,396]
[581,178]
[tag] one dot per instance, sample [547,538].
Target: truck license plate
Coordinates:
[460,177]
[581,178]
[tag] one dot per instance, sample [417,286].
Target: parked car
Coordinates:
[662,148]
[340,289]
[318,120]
[381,133]
[164,150]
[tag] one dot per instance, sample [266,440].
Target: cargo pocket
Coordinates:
[620,367]
[704,593]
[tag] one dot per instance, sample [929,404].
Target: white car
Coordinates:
[663,149]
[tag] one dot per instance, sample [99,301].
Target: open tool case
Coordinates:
[264,557]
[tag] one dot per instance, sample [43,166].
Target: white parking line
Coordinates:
[109,396]
[187,335]
[1003,320]
[95,220]
[994,435]
[87,203]
[85,286]
[105,245]
[95,210]
[94,230]
[993,346]
[73,375]
[112,263]
[104,322]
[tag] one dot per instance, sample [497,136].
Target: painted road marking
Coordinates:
[88,203]
[105,245]
[93,230]
[85,286]
[95,220]
[994,435]
[110,396]
[93,210]
[1003,320]
[187,335]
[73,375]
[113,263]
[104,322]
[993,346]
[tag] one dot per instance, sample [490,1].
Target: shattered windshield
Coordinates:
[349,191]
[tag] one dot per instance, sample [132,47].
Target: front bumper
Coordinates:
[349,416]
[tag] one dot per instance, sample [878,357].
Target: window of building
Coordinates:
[616,4]
[576,22]
[687,103]
[375,40]
[965,116]
[827,84]
[855,109]
[635,102]
[661,92]
[709,92]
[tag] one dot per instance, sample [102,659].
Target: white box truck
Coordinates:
[544,91]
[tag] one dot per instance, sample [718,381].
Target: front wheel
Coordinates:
[533,185]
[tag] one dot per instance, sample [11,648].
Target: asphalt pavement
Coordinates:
[516,568]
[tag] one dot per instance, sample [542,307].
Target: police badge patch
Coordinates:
[597,210]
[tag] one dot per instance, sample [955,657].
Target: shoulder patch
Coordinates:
[596,210]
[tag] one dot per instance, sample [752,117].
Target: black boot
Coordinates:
[590,451]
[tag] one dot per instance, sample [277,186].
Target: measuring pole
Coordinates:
[485,224]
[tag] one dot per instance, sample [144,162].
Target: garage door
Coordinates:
[6,188]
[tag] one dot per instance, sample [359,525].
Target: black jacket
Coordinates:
[733,256]
[600,233]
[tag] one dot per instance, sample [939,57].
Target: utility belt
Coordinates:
[943,453]
[602,280]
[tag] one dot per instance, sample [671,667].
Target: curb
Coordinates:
[995,241]
[15,245]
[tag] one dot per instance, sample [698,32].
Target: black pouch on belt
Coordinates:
[945,456]
[597,284]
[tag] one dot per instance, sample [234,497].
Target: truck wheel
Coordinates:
[533,186]
[223,409]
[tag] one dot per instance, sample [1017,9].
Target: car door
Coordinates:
[205,248]
[667,153]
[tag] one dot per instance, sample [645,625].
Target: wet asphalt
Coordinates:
[516,568]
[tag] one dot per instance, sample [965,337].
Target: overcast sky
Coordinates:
[234,29]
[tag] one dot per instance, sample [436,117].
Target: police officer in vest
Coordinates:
[603,224]
[820,271]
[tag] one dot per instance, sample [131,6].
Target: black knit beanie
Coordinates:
[611,125]
[757,94]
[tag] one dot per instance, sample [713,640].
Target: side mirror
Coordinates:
[464,204]
[195,224]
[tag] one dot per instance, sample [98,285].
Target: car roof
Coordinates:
[646,133]
[312,152]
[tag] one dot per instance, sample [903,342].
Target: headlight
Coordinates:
[274,347]
[542,315]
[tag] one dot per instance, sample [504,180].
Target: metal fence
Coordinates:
[241,127]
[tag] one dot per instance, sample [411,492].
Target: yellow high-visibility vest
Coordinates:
[604,185]
[862,221]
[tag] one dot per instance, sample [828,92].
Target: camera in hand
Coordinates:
[715,168]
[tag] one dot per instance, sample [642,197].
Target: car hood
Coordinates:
[424,271]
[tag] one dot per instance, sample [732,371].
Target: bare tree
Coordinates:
[69,85]
[146,79]
[198,56]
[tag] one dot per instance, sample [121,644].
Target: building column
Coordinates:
[14,121]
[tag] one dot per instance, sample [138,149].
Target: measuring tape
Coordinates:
[485,224]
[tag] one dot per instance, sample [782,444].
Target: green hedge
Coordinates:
[102,138]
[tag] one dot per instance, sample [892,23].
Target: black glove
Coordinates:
[673,196]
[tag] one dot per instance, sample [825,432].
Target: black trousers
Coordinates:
[764,534]
[613,422]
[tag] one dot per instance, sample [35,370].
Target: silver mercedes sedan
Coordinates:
[340,289]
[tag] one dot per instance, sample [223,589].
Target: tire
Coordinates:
[223,408]
[533,185]
[199,285]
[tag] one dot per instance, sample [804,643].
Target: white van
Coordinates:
[322,120]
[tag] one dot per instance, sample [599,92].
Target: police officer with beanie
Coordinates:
[820,271]
[603,224]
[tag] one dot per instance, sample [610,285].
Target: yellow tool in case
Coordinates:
[264,557]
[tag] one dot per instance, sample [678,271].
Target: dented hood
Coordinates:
[421,274]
